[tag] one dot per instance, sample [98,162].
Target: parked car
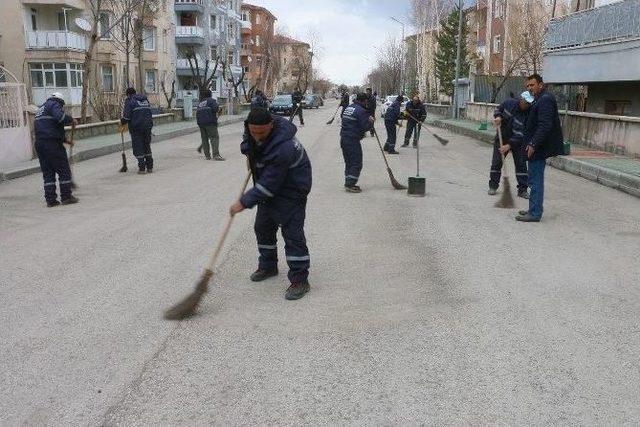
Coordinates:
[311,101]
[282,104]
[387,103]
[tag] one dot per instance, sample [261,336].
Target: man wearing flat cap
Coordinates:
[282,180]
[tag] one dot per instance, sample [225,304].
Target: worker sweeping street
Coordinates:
[370,106]
[417,113]
[207,119]
[282,180]
[137,115]
[511,117]
[391,117]
[50,120]
[356,121]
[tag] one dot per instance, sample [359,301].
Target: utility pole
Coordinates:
[455,88]
[403,55]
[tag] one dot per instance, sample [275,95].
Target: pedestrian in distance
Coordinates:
[511,116]
[207,119]
[259,100]
[356,121]
[391,117]
[542,139]
[296,98]
[282,180]
[371,108]
[50,120]
[417,113]
[137,116]
[344,101]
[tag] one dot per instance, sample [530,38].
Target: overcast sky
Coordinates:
[349,30]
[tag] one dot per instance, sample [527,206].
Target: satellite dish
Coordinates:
[83,24]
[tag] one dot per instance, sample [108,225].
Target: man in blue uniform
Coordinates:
[356,121]
[207,119]
[137,114]
[297,97]
[391,117]
[370,106]
[417,113]
[50,120]
[282,181]
[511,116]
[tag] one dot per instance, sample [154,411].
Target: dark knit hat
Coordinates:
[362,97]
[130,91]
[259,116]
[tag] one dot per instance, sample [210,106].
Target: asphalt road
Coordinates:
[439,310]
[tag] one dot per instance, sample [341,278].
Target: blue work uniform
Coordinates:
[355,122]
[414,125]
[391,117]
[512,128]
[137,114]
[207,119]
[50,120]
[282,181]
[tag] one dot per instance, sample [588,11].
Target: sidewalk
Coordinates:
[102,145]
[619,172]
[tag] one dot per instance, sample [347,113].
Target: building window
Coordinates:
[104,22]
[61,22]
[150,80]
[257,40]
[107,78]
[149,38]
[245,16]
[497,44]
[76,72]
[213,22]
[34,20]
[498,8]
[49,75]
[246,69]
[214,53]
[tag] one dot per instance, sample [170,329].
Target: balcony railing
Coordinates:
[56,40]
[190,31]
[613,22]
[183,64]
[189,5]
[189,2]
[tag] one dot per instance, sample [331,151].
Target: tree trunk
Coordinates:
[88,64]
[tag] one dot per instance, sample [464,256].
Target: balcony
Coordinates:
[189,35]
[56,40]
[189,6]
[596,45]
[77,4]
[72,95]
[184,69]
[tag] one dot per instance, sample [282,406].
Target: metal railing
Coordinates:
[197,2]
[56,40]
[616,21]
[189,31]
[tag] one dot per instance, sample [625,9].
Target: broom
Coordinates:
[440,139]
[187,307]
[334,115]
[394,182]
[506,200]
[71,158]
[124,157]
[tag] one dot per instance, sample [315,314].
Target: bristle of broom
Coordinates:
[330,120]
[394,181]
[441,140]
[506,200]
[187,307]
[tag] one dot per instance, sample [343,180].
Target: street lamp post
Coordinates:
[458,52]
[403,54]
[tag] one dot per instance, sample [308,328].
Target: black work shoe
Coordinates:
[260,275]
[492,191]
[406,144]
[527,218]
[523,213]
[297,290]
[219,158]
[207,157]
[70,201]
[353,188]
[150,170]
[199,149]
[53,204]
[393,152]
[524,194]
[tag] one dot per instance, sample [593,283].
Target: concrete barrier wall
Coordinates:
[615,134]
[439,109]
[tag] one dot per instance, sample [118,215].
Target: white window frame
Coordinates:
[149,35]
[107,36]
[257,40]
[497,44]
[147,88]
[51,70]
[498,9]
[104,67]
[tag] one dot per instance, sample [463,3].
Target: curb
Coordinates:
[624,182]
[92,153]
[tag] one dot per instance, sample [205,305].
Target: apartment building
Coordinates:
[258,47]
[294,64]
[41,43]
[207,40]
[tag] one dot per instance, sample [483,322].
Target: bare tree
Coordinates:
[168,87]
[388,71]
